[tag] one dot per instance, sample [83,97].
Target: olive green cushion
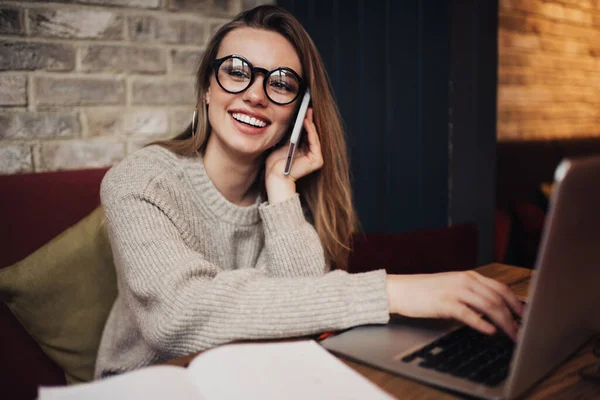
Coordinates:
[63,292]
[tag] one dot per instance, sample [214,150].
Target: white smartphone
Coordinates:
[294,139]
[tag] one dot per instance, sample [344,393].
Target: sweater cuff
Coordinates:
[283,216]
[368,298]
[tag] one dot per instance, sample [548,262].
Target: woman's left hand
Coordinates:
[307,159]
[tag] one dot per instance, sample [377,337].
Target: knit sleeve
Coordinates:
[181,303]
[293,247]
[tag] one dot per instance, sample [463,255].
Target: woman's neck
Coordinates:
[232,177]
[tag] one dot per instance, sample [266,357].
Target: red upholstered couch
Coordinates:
[34,208]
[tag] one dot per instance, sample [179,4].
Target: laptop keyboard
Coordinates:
[466,353]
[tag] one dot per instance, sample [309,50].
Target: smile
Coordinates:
[248,120]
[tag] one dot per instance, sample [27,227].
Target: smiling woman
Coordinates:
[263,109]
[214,243]
[248,83]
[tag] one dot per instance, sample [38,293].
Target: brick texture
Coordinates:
[146,123]
[77,154]
[102,121]
[83,83]
[189,5]
[11,22]
[79,24]
[166,92]
[121,3]
[123,59]
[185,61]
[17,125]
[180,119]
[78,92]
[15,158]
[166,30]
[13,90]
[30,56]
[549,69]
[226,7]
[247,4]
[140,122]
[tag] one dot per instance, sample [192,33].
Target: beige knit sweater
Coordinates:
[195,270]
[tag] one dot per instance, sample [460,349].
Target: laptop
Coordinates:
[561,314]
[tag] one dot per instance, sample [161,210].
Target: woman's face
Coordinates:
[265,49]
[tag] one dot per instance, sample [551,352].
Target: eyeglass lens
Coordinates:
[235,75]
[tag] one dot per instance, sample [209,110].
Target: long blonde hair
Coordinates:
[326,192]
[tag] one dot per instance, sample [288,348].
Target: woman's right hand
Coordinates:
[307,160]
[459,295]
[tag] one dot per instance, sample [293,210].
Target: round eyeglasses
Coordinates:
[235,74]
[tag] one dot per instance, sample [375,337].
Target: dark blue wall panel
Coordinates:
[474,49]
[415,81]
[389,66]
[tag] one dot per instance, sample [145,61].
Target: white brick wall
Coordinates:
[85,82]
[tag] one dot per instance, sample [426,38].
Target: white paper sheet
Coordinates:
[267,371]
[154,383]
[290,370]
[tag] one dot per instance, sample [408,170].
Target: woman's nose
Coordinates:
[255,94]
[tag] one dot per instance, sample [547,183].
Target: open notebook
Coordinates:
[289,370]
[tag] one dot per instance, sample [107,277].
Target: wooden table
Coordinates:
[563,383]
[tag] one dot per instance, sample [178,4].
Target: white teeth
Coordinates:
[249,120]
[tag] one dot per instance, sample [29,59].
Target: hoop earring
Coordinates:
[195,120]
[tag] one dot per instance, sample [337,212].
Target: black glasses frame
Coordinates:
[216,64]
